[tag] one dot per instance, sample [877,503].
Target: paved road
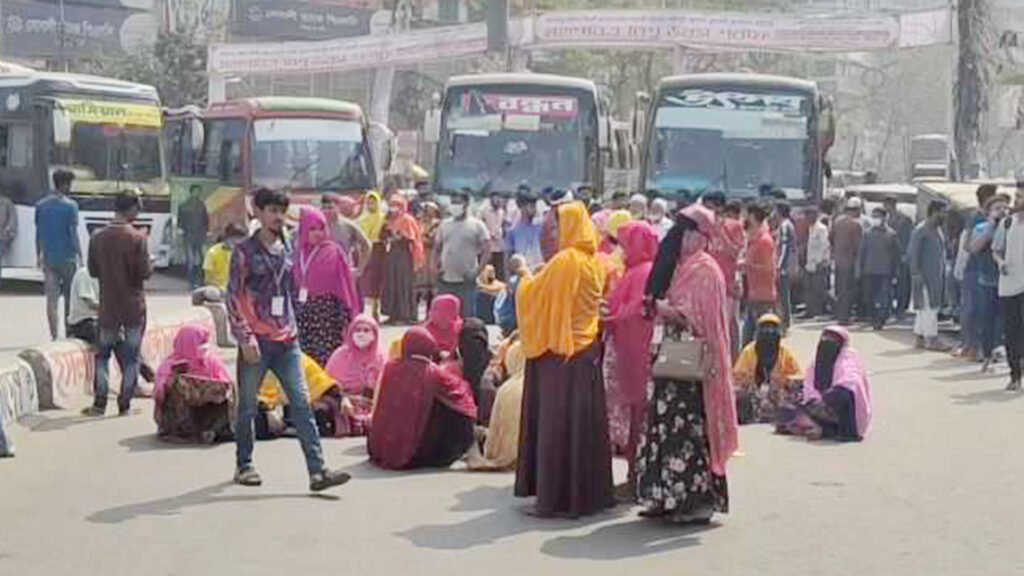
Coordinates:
[935,490]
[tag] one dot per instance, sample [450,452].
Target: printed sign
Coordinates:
[30,29]
[96,112]
[300,20]
[547,106]
[731,100]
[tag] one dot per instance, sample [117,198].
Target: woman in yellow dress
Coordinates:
[766,374]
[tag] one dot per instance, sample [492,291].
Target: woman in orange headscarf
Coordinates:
[404,255]
[564,453]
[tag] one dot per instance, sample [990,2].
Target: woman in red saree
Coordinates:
[691,425]
[424,415]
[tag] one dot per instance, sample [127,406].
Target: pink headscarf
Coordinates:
[327,267]
[190,348]
[698,291]
[354,368]
[629,330]
[444,321]
[847,373]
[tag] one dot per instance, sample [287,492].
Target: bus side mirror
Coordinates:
[432,126]
[61,127]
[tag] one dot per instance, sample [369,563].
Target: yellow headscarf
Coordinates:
[558,308]
[318,382]
[616,220]
[372,222]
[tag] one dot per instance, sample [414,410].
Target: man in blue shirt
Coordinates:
[524,237]
[57,249]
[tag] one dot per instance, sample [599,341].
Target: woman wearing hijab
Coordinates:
[327,296]
[444,322]
[765,374]
[475,353]
[356,367]
[404,256]
[424,415]
[501,449]
[691,425]
[329,405]
[426,276]
[628,333]
[836,395]
[564,454]
[372,223]
[192,394]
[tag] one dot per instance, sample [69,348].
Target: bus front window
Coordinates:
[310,153]
[497,139]
[112,154]
[732,141]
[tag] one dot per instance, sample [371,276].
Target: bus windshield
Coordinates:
[312,153]
[730,140]
[497,138]
[108,158]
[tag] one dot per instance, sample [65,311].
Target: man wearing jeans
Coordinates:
[261,295]
[194,223]
[1008,250]
[57,247]
[463,245]
[119,260]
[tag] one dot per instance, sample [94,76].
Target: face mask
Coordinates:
[362,339]
[876,221]
[654,218]
[458,209]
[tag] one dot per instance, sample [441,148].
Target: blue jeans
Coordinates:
[466,291]
[989,318]
[194,263]
[127,349]
[284,359]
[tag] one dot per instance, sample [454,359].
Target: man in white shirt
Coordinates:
[85,306]
[819,252]
[1008,250]
[493,215]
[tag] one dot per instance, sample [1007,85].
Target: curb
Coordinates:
[18,398]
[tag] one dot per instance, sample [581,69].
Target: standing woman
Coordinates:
[691,426]
[404,256]
[564,454]
[629,333]
[426,276]
[372,224]
[327,297]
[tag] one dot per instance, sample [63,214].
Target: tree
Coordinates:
[970,92]
[175,64]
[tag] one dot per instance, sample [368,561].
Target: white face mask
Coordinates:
[458,209]
[876,221]
[653,218]
[362,339]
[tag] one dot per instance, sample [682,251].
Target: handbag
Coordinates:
[679,358]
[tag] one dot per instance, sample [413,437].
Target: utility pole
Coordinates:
[970,88]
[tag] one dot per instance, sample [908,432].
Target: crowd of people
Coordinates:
[633,328]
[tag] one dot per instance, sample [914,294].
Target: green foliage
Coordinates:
[175,64]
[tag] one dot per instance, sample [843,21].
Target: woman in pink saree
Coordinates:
[192,395]
[836,395]
[691,425]
[327,296]
[628,332]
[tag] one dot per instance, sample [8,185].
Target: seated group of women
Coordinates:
[832,401]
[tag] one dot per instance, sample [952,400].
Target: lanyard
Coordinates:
[304,264]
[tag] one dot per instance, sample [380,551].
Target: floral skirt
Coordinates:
[674,477]
[322,321]
[195,410]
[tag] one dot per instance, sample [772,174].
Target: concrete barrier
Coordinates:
[18,398]
[65,370]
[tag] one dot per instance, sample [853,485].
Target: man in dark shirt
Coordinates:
[261,297]
[119,260]
[194,223]
[57,247]
[903,225]
[878,263]
[846,235]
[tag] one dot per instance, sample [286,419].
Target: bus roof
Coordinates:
[285,106]
[61,82]
[763,80]
[522,78]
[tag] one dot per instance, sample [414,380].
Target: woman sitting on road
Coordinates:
[331,408]
[836,394]
[192,396]
[501,450]
[444,322]
[424,415]
[356,366]
[766,373]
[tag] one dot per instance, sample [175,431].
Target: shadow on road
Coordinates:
[623,540]
[995,395]
[505,519]
[41,423]
[151,442]
[173,505]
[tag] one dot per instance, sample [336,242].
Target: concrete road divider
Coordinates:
[18,398]
[65,370]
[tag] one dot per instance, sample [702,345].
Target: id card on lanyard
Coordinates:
[304,265]
[277,303]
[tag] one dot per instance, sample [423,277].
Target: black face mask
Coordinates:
[825,363]
[767,347]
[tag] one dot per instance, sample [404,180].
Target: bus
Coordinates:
[742,134]
[306,146]
[497,132]
[105,131]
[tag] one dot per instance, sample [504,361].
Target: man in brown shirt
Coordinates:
[119,260]
[846,234]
